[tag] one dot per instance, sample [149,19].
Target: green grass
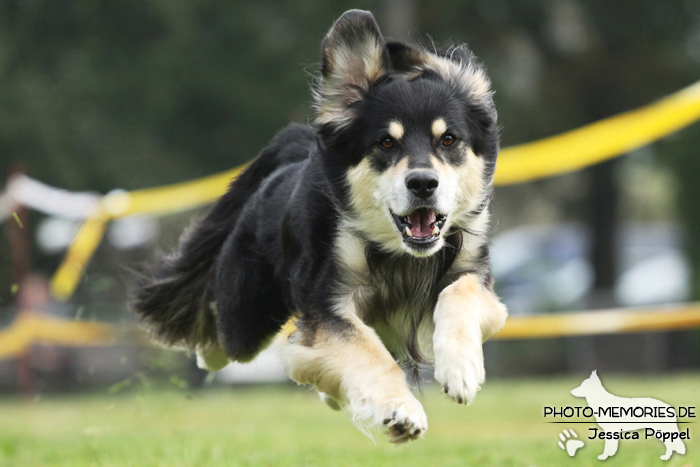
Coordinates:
[288,426]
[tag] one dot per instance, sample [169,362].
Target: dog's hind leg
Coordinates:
[344,358]
[250,307]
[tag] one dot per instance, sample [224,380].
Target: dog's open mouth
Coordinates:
[421,226]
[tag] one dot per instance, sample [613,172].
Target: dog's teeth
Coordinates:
[436,230]
[408,232]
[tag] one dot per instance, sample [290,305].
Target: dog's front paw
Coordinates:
[460,370]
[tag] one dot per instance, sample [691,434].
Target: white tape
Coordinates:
[49,200]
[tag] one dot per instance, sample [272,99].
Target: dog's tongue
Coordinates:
[420,222]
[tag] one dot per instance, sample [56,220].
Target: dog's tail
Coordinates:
[173,295]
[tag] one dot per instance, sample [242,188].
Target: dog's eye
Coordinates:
[387,142]
[448,139]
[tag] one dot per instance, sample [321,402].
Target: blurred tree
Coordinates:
[98,95]
[682,153]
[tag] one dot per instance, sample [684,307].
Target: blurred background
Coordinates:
[97,96]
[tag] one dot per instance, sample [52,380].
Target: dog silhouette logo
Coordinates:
[618,416]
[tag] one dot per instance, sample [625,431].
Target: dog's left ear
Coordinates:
[456,65]
[407,59]
[353,56]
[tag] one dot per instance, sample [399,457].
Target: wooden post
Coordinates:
[20,257]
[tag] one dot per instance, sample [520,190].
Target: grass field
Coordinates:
[288,426]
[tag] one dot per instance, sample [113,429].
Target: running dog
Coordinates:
[368,229]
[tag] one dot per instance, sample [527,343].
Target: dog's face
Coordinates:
[411,135]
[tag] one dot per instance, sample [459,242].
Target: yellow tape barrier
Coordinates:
[599,141]
[556,155]
[580,323]
[614,321]
[153,201]
[86,241]
[33,328]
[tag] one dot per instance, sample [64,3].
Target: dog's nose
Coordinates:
[422,183]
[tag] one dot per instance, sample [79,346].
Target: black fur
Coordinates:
[174,295]
[266,250]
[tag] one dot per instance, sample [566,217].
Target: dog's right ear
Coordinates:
[353,56]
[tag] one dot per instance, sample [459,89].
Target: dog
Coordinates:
[597,398]
[368,229]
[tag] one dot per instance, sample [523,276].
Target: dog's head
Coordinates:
[589,387]
[410,135]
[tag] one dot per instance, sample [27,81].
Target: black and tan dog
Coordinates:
[370,229]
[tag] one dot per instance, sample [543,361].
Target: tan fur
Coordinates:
[486,309]
[396,130]
[462,187]
[355,369]
[349,69]
[439,127]
[336,362]
[372,58]
[372,194]
[350,250]
[472,241]
[469,78]
[467,313]
[469,179]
